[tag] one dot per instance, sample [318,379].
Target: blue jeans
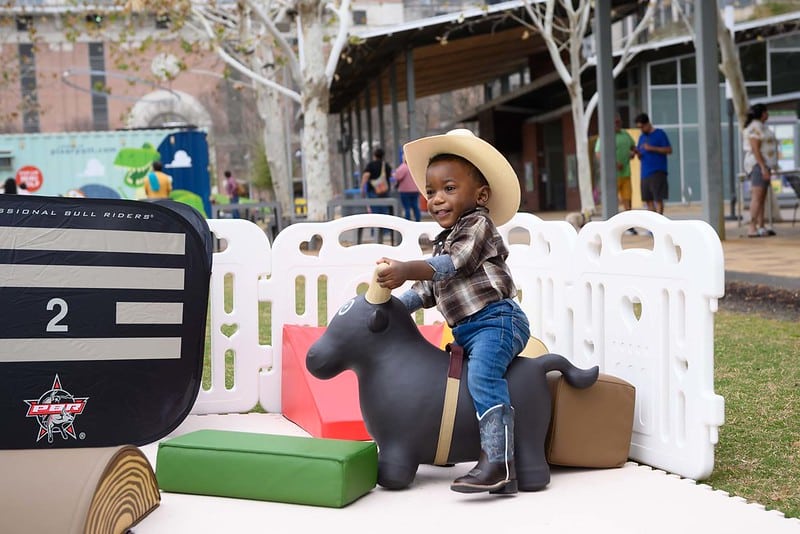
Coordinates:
[492,338]
[410,202]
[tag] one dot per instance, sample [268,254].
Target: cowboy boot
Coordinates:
[495,471]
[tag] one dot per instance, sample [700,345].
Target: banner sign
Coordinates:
[102,328]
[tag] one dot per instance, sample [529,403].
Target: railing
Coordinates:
[355,206]
[265,214]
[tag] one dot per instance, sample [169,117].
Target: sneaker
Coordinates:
[763,232]
[630,231]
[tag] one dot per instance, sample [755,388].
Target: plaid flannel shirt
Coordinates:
[469,261]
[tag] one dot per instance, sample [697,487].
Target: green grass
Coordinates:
[757,371]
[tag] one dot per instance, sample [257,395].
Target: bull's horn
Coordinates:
[377,294]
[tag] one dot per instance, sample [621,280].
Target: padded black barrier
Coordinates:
[103,308]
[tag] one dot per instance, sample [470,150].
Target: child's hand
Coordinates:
[394,275]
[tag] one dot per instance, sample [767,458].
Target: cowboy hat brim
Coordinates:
[503,182]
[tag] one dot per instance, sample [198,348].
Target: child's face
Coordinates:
[451,190]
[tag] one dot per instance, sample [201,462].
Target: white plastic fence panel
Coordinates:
[343,265]
[646,316]
[643,315]
[542,273]
[246,256]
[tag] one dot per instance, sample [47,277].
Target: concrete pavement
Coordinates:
[772,261]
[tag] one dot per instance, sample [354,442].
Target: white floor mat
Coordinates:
[632,499]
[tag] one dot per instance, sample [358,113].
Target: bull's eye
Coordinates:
[346,306]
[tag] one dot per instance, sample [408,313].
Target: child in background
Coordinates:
[471,189]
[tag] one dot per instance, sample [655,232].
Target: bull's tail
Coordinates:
[576,377]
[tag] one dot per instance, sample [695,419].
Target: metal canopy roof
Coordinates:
[450,52]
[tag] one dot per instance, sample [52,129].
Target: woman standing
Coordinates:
[376,171]
[409,193]
[760,159]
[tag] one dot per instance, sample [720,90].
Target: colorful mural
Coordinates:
[110,164]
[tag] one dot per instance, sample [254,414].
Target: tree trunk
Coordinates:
[315,95]
[732,70]
[580,123]
[270,108]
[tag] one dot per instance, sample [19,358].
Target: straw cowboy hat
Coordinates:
[504,199]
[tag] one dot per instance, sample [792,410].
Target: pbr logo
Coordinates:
[55,411]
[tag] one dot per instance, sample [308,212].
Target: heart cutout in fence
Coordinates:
[633,305]
[229,329]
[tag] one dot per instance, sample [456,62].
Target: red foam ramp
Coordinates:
[324,408]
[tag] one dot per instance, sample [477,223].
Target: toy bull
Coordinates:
[401,383]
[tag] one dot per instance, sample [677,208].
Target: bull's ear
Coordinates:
[378,321]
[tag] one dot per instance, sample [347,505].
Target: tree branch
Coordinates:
[545,28]
[280,39]
[236,64]
[342,13]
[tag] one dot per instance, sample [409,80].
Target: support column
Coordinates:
[368,120]
[395,111]
[606,109]
[343,148]
[381,125]
[359,139]
[351,162]
[411,100]
[710,135]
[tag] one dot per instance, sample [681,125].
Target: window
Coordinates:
[6,160]
[94,19]
[753,58]
[784,67]
[27,81]
[359,17]
[756,91]
[664,73]
[24,23]
[664,106]
[689,104]
[688,70]
[162,21]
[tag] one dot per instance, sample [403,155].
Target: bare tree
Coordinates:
[564,25]
[253,43]
[730,66]
[285,47]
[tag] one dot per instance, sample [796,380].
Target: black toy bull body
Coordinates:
[402,380]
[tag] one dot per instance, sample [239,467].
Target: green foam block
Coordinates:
[267,467]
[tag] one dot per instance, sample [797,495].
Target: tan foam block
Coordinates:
[590,427]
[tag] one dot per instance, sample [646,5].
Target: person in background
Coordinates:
[232,190]
[625,149]
[22,189]
[371,172]
[158,183]
[409,194]
[10,186]
[760,159]
[653,148]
